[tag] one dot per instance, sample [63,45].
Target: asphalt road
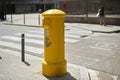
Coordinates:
[98,51]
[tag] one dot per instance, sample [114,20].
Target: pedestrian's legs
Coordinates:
[103,21]
[100,21]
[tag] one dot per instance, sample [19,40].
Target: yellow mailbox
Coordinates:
[54,63]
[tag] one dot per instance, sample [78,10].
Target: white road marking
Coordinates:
[14,38]
[18,46]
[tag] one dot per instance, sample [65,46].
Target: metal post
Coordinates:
[11,18]
[11,12]
[38,19]
[39,16]
[86,8]
[5,8]
[44,5]
[55,4]
[2,11]
[22,48]
[24,18]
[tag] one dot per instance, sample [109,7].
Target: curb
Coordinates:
[38,26]
[93,30]
[116,31]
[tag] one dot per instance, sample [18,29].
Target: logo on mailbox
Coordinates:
[47,42]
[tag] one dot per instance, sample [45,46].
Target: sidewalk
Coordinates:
[35,20]
[11,68]
[96,27]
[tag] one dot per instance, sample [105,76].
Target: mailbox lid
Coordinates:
[52,12]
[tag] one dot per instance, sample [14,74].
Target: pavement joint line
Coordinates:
[38,26]
[77,66]
[103,71]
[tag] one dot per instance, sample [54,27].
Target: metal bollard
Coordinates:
[22,48]
[11,18]
[24,19]
[39,19]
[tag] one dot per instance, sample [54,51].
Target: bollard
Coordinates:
[24,19]
[53,63]
[11,18]
[38,19]
[22,48]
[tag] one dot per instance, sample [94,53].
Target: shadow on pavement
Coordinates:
[26,63]
[0,57]
[108,26]
[68,76]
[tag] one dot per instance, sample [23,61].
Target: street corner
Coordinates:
[73,73]
[105,29]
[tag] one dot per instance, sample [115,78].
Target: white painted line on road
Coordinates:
[95,35]
[78,33]
[31,35]
[70,40]
[18,46]
[37,32]
[15,38]
[99,48]
[34,41]
[74,65]
[18,54]
[73,31]
[86,58]
[5,43]
[72,36]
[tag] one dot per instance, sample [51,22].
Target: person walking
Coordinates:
[101,16]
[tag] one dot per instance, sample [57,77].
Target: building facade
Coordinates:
[2,9]
[70,6]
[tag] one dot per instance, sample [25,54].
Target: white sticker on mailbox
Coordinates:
[46,32]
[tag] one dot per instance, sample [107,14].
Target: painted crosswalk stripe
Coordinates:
[73,33]
[14,38]
[78,32]
[72,36]
[67,39]
[70,40]
[37,32]
[18,46]
[18,54]
[31,35]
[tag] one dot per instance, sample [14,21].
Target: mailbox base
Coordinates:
[53,69]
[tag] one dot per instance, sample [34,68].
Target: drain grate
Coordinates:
[84,36]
